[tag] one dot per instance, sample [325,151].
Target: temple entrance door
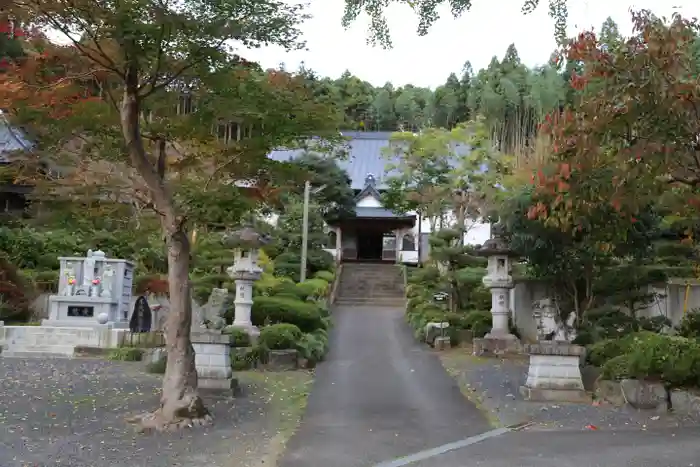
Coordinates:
[369,245]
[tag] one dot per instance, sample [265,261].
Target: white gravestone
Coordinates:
[98,296]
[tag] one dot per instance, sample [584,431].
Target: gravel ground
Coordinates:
[62,412]
[494,384]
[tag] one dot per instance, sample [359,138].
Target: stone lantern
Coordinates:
[244,272]
[499,281]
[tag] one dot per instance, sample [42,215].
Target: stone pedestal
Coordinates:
[243,302]
[442,343]
[554,373]
[488,347]
[500,310]
[213,360]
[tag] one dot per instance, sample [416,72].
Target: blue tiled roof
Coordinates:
[365,156]
[11,140]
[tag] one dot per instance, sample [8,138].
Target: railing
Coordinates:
[143,340]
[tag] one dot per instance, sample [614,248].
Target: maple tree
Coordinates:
[633,135]
[626,151]
[147,100]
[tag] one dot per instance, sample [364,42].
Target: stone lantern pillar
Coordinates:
[244,272]
[499,281]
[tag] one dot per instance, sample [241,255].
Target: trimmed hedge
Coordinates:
[327,276]
[240,338]
[313,288]
[673,360]
[280,336]
[281,309]
[601,352]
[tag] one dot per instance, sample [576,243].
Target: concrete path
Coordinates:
[379,396]
[654,448]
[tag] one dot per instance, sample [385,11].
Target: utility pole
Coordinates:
[305,230]
[305,227]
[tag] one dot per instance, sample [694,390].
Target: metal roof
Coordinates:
[365,156]
[378,213]
[11,140]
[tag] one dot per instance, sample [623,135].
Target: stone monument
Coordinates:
[554,373]
[91,309]
[245,271]
[92,290]
[550,326]
[499,281]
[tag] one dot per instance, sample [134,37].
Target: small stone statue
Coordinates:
[88,270]
[107,281]
[550,326]
[215,309]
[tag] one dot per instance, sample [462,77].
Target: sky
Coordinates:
[478,35]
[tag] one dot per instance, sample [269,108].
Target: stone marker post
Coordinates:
[499,281]
[244,272]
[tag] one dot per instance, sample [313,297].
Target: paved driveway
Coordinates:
[632,448]
[379,396]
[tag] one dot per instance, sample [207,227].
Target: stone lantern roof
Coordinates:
[497,244]
[246,237]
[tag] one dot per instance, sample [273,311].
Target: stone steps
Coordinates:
[371,302]
[48,341]
[46,351]
[370,285]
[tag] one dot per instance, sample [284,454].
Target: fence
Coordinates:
[143,340]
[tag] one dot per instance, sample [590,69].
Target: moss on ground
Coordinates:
[455,361]
[286,395]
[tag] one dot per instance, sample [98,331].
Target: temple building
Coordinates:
[376,234]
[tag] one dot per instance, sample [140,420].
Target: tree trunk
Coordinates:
[179,399]
[180,402]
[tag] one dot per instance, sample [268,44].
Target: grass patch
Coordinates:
[286,393]
[454,361]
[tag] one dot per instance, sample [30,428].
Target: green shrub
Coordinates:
[313,288]
[46,280]
[425,277]
[306,315]
[602,351]
[479,322]
[616,368]
[280,336]
[288,288]
[268,283]
[313,346]
[239,338]
[672,359]
[289,270]
[608,323]
[319,260]
[654,324]
[327,276]
[126,354]
[689,326]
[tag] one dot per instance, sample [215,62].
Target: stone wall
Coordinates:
[669,302]
[522,297]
